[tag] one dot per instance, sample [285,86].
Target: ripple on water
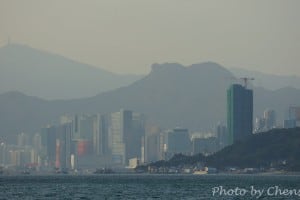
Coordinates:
[134,186]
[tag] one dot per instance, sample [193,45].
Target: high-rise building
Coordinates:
[221,132]
[57,142]
[37,142]
[126,132]
[22,139]
[260,124]
[239,112]
[63,146]
[48,135]
[121,128]
[2,154]
[86,124]
[76,124]
[177,141]
[265,123]
[120,124]
[82,126]
[134,140]
[206,146]
[151,144]
[100,135]
[270,119]
[289,123]
[152,147]
[294,114]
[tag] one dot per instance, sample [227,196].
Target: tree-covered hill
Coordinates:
[277,148]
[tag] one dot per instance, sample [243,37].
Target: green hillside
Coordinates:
[278,148]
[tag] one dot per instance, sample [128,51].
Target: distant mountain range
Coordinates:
[170,95]
[268,81]
[50,76]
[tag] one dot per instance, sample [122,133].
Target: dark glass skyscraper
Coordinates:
[239,112]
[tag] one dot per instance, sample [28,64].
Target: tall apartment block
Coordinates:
[239,112]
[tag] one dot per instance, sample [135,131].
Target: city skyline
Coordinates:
[114,99]
[123,138]
[129,37]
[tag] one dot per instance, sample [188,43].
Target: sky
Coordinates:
[128,36]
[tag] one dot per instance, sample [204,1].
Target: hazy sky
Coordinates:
[127,36]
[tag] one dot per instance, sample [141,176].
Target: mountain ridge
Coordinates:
[51,76]
[191,97]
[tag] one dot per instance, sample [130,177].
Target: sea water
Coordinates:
[144,186]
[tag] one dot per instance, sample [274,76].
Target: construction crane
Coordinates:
[246,79]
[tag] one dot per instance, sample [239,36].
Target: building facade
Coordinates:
[239,112]
[177,141]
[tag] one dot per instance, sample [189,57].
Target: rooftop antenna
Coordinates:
[246,79]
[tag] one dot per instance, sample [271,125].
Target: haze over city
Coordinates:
[132,99]
[128,36]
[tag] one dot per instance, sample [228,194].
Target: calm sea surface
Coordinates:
[150,187]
